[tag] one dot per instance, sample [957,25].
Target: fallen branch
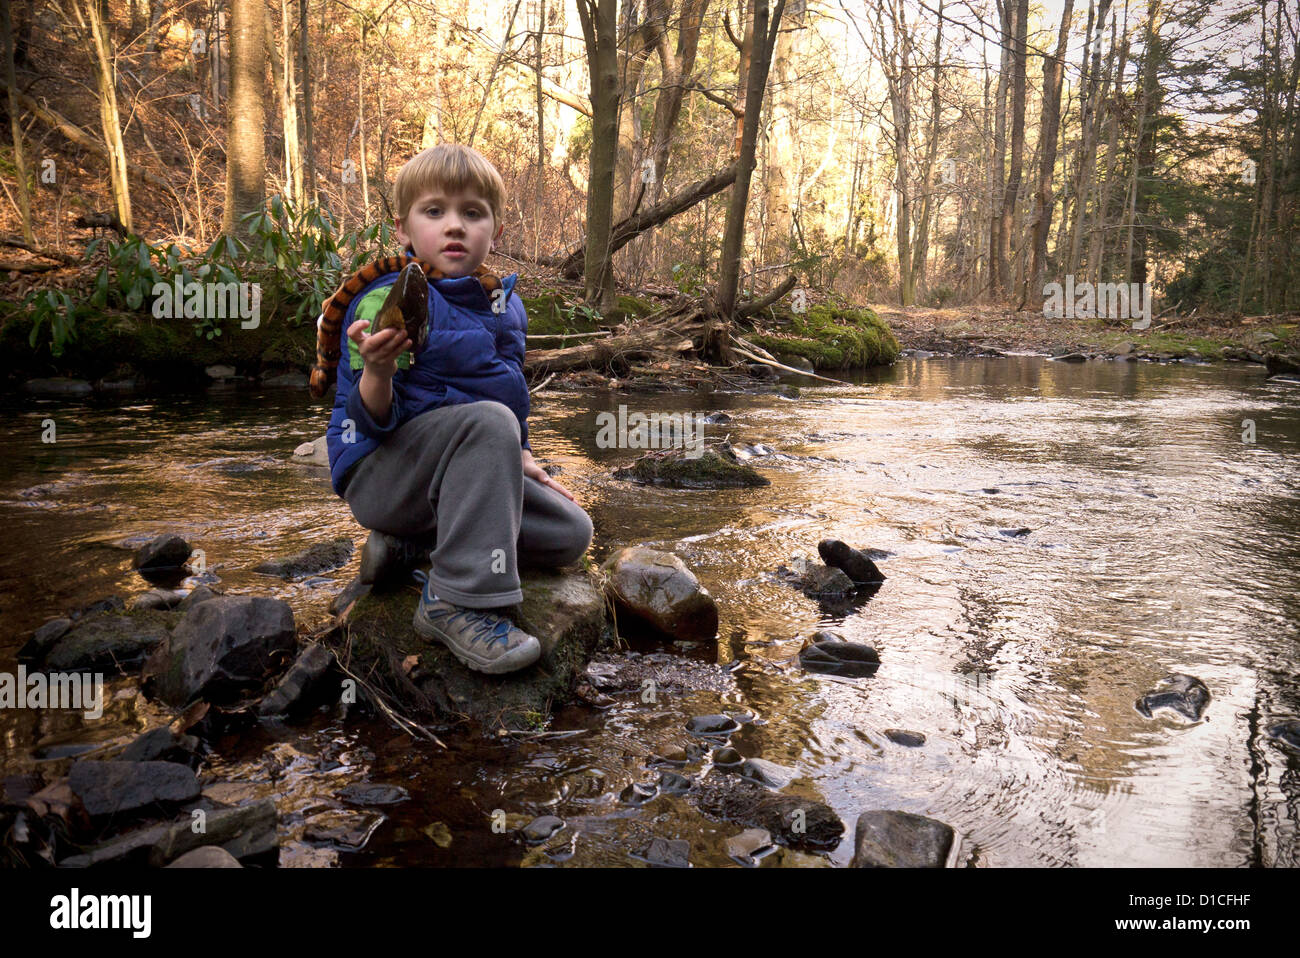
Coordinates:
[772,362]
[602,332]
[630,228]
[13,266]
[83,139]
[758,305]
[542,385]
[49,253]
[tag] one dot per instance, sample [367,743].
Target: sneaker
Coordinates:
[385,557]
[482,640]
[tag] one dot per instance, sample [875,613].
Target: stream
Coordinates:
[1158,541]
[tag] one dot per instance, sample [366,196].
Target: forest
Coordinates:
[744,154]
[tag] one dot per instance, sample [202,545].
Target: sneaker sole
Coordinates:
[520,657]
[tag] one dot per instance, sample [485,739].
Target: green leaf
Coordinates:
[134,298]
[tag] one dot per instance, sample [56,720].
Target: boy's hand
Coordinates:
[379,350]
[531,468]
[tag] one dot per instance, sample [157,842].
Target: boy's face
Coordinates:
[453,231]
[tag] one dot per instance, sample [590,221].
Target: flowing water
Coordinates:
[1159,541]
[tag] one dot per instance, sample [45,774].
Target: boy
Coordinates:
[438,452]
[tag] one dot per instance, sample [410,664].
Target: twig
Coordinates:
[601,332]
[403,724]
[542,385]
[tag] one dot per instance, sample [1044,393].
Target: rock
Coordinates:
[712,726]
[848,659]
[110,603]
[131,848]
[220,371]
[222,649]
[162,745]
[315,452]
[1286,733]
[58,387]
[762,371]
[792,820]
[158,599]
[1262,337]
[711,470]
[372,793]
[321,557]
[801,363]
[209,856]
[564,610]
[1015,533]
[663,853]
[745,847]
[107,643]
[657,588]
[163,554]
[126,385]
[900,840]
[350,830]
[294,691]
[200,593]
[717,418]
[765,773]
[853,563]
[353,591]
[1280,363]
[901,736]
[727,756]
[43,639]
[638,793]
[246,831]
[670,783]
[541,829]
[815,579]
[1123,349]
[294,379]
[1070,358]
[114,788]
[1184,694]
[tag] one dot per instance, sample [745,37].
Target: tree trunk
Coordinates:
[91,22]
[734,231]
[246,128]
[997,265]
[304,71]
[1144,168]
[1011,196]
[1050,128]
[16,127]
[599,29]
[921,249]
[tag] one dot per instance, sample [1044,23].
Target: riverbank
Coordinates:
[993,330]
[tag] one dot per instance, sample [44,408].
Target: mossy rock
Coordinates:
[831,337]
[711,470]
[628,307]
[165,349]
[564,609]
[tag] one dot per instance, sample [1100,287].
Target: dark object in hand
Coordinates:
[407,307]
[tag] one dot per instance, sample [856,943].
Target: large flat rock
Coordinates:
[565,610]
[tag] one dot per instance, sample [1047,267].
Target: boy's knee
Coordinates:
[579,537]
[494,416]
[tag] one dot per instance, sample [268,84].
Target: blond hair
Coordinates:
[449,168]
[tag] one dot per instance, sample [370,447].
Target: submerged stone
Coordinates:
[710,470]
[1184,694]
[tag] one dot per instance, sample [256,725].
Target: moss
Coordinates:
[160,348]
[709,471]
[831,337]
[629,307]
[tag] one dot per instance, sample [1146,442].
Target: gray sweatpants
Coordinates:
[456,471]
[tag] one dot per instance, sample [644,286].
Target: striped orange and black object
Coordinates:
[329,326]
